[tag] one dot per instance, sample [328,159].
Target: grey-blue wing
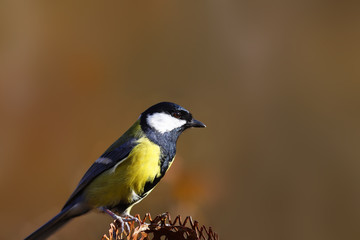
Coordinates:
[105,162]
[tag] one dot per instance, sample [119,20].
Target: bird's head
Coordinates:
[166,117]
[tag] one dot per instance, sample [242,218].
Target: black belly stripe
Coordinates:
[165,164]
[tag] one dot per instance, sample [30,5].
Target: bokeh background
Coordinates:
[276,82]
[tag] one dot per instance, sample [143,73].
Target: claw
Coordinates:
[129,218]
[123,221]
[123,226]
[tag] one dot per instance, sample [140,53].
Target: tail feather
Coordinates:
[51,226]
[58,221]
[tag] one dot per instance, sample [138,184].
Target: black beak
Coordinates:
[196,123]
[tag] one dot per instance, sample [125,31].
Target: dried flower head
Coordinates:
[162,228]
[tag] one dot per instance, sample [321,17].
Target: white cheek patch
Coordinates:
[164,122]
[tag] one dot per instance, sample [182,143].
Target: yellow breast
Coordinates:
[125,181]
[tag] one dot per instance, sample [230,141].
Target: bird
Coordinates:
[128,170]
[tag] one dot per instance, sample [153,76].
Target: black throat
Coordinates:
[167,142]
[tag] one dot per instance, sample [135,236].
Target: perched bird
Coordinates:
[129,169]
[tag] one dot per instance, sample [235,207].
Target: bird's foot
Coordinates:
[123,221]
[123,225]
[129,218]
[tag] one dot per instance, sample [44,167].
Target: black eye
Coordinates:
[176,114]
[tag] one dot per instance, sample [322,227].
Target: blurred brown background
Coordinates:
[276,82]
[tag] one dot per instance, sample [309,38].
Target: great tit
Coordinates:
[129,169]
